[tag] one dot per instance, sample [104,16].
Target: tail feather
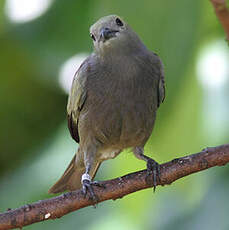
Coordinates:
[71,179]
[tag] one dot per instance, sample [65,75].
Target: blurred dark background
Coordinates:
[42,43]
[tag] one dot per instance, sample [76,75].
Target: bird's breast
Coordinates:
[120,107]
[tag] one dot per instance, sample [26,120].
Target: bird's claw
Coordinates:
[153,168]
[87,188]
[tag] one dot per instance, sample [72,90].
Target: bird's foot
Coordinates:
[87,187]
[153,168]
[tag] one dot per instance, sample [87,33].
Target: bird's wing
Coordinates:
[161,86]
[156,61]
[77,99]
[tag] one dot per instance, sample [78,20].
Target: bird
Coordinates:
[112,104]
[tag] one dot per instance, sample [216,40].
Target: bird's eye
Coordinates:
[119,22]
[92,36]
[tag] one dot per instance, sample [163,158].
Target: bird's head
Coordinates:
[111,33]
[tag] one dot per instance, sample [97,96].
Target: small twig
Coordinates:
[222,13]
[61,205]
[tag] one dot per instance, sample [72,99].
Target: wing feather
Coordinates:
[160,73]
[161,86]
[76,100]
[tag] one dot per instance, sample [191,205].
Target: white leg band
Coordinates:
[85,176]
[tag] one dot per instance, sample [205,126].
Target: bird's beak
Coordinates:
[107,33]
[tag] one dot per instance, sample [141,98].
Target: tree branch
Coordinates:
[117,188]
[222,13]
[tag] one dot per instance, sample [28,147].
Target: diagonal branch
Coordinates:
[61,205]
[222,13]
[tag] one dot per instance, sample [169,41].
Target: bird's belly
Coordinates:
[124,129]
[105,154]
[117,121]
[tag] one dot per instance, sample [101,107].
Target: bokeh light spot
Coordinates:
[213,65]
[68,70]
[21,11]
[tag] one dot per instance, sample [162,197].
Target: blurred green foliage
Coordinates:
[35,146]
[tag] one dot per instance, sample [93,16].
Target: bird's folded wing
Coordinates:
[77,99]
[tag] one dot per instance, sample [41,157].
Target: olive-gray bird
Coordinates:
[113,102]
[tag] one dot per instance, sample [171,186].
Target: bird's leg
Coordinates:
[87,185]
[86,178]
[152,166]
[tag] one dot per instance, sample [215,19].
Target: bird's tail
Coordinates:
[71,179]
